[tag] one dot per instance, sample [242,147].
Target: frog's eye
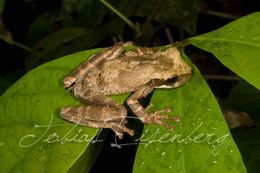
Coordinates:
[172,80]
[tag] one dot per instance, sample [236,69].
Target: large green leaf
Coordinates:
[237,46]
[32,134]
[201,141]
[28,143]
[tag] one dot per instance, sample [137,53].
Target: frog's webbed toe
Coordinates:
[119,129]
[158,118]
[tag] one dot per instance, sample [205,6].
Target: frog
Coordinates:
[115,71]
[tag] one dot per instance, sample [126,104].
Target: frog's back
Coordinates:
[129,73]
[120,76]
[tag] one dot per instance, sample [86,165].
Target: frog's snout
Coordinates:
[66,113]
[69,81]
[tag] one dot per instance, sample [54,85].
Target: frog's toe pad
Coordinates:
[157,118]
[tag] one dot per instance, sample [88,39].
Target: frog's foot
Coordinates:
[119,129]
[158,118]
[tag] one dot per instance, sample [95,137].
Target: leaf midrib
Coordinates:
[225,40]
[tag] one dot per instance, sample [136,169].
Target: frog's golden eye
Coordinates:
[172,80]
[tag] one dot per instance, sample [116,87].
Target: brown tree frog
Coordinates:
[114,71]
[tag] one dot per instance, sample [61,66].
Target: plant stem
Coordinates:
[220,14]
[12,42]
[222,77]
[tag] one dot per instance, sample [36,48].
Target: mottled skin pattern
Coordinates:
[112,72]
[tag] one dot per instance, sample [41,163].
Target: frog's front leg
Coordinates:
[141,112]
[92,62]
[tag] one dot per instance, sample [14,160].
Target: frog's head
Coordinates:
[180,72]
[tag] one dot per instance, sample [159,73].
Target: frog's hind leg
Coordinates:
[139,52]
[97,117]
[92,62]
[98,107]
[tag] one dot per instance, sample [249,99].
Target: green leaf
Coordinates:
[246,98]
[2,4]
[40,27]
[51,42]
[60,43]
[201,141]
[237,46]
[32,134]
